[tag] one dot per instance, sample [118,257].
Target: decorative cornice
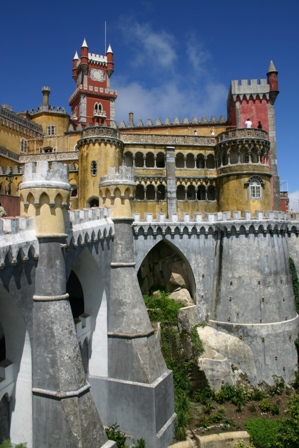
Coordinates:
[169,140]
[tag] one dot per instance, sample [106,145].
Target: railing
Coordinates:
[243,133]
[50,156]
[169,140]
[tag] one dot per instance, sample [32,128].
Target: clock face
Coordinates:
[97,75]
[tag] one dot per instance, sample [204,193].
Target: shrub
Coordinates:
[113,433]
[263,432]
[182,409]
[265,405]
[288,435]
[161,308]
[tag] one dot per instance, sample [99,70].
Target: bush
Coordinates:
[161,308]
[113,433]
[265,405]
[289,432]
[263,432]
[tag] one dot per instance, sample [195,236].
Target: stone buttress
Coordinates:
[139,387]
[64,414]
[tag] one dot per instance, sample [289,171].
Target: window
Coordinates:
[255,185]
[255,192]
[51,129]
[93,168]
[23,145]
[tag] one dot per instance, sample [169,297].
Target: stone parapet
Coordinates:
[169,140]
[213,222]
[40,172]
[17,238]
[89,225]
[50,157]
[124,175]
[241,134]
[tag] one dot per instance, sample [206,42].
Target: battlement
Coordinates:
[17,238]
[176,122]
[267,220]
[41,172]
[98,58]
[123,176]
[251,87]
[89,225]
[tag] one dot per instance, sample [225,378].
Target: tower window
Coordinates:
[255,185]
[98,109]
[93,168]
[51,129]
[255,192]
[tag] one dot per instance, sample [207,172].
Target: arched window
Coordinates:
[93,201]
[139,160]
[180,193]
[200,161]
[139,195]
[149,160]
[128,159]
[191,193]
[255,190]
[97,109]
[93,168]
[190,160]
[179,160]
[210,161]
[201,193]
[150,193]
[161,191]
[160,161]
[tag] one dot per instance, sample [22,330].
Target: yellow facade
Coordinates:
[209,170]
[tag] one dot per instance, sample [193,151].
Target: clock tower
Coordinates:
[93,102]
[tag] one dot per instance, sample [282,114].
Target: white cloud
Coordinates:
[150,48]
[172,80]
[294,201]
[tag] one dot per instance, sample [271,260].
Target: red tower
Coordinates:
[93,101]
[255,100]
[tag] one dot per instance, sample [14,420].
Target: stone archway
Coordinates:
[87,288]
[16,387]
[166,268]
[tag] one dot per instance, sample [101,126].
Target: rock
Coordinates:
[182,295]
[177,280]
[179,276]
[224,356]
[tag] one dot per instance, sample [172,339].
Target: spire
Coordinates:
[109,50]
[76,57]
[84,44]
[271,68]
[273,82]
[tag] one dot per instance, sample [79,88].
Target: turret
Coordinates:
[46,93]
[273,81]
[75,63]
[110,61]
[84,56]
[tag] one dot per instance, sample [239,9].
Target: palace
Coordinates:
[193,166]
[98,212]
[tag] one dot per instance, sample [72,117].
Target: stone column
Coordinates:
[64,414]
[139,386]
[171,182]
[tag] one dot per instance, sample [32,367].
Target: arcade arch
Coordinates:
[91,298]
[166,268]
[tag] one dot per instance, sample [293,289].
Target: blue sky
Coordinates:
[172,59]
